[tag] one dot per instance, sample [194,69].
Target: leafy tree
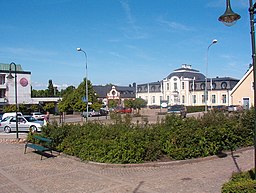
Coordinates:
[72,99]
[112,103]
[68,90]
[50,88]
[49,107]
[137,103]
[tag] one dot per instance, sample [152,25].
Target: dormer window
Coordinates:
[223,85]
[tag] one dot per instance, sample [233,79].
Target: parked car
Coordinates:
[8,124]
[233,108]
[91,113]
[123,110]
[103,112]
[38,115]
[154,106]
[178,109]
[11,114]
[30,118]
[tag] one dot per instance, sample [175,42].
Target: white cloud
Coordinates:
[133,31]
[174,25]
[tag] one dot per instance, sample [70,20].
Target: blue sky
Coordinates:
[126,41]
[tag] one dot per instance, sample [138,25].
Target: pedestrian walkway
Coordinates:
[26,173]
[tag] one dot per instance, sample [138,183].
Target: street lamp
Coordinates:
[231,17]
[206,74]
[10,76]
[86,82]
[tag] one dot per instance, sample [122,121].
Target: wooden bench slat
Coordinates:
[42,139]
[37,147]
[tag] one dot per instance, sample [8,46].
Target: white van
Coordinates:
[11,114]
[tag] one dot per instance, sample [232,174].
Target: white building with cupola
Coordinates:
[186,86]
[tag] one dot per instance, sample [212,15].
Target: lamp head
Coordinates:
[229,18]
[78,49]
[10,76]
[214,41]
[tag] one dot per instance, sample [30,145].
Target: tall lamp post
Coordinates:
[229,18]
[10,76]
[206,74]
[86,82]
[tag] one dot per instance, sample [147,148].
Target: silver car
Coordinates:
[8,124]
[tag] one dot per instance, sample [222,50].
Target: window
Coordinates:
[2,79]
[2,93]
[193,86]
[146,88]
[153,88]
[203,98]
[224,98]
[223,85]
[202,86]
[168,87]
[146,99]
[213,98]
[213,85]
[183,85]
[175,86]
[194,99]
[183,99]
[153,99]
[168,99]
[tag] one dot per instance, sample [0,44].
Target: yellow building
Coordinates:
[242,93]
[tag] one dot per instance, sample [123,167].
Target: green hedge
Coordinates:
[175,138]
[241,183]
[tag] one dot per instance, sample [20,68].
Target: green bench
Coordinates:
[40,144]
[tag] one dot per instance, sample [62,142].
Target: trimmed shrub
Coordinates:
[240,183]
[173,137]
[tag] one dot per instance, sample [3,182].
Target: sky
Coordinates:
[125,41]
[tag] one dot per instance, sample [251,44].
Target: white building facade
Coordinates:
[23,78]
[7,85]
[187,86]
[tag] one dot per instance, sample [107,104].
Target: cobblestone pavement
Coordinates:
[26,173]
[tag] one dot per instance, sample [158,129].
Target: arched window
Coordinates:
[223,85]
[213,85]
[202,86]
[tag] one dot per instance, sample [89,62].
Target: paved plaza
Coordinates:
[26,173]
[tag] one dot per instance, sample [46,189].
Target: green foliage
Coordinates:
[49,107]
[50,89]
[241,183]
[72,99]
[137,103]
[174,137]
[112,103]
[192,109]
[49,92]
[9,108]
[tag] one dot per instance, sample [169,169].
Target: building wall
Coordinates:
[243,91]
[187,86]
[23,89]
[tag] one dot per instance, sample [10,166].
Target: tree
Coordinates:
[49,107]
[50,89]
[72,101]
